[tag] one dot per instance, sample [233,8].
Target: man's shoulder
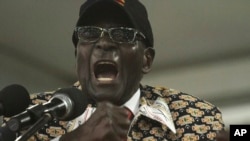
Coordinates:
[159,90]
[41,97]
[44,96]
[172,96]
[183,105]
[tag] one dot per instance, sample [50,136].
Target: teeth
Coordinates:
[104,79]
[105,63]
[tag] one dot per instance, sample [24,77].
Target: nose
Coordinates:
[105,42]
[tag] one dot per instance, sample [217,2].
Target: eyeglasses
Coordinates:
[117,34]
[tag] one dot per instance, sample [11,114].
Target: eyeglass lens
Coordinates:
[121,35]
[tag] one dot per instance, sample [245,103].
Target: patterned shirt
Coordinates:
[164,115]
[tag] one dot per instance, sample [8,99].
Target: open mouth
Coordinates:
[105,71]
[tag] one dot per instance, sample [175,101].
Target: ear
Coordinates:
[149,54]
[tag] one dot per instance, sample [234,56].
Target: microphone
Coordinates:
[66,104]
[13,100]
[6,134]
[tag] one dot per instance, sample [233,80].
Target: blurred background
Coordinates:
[202,48]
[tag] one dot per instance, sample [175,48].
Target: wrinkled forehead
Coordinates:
[105,13]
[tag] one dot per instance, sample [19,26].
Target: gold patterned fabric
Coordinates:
[193,119]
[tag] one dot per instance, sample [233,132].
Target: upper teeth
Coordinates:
[104,79]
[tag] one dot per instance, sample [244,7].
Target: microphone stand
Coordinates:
[33,129]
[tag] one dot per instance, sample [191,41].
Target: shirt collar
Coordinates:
[133,103]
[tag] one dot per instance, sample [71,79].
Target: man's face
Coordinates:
[110,71]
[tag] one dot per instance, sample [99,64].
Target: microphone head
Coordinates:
[76,102]
[14,99]
[6,134]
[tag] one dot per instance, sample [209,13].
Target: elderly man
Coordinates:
[114,44]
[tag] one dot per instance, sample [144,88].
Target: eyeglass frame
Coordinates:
[108,30]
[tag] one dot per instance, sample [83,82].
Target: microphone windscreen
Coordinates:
[79,101]
[14,99]
[6,134]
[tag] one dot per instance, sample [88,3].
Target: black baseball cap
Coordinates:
[134,9]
